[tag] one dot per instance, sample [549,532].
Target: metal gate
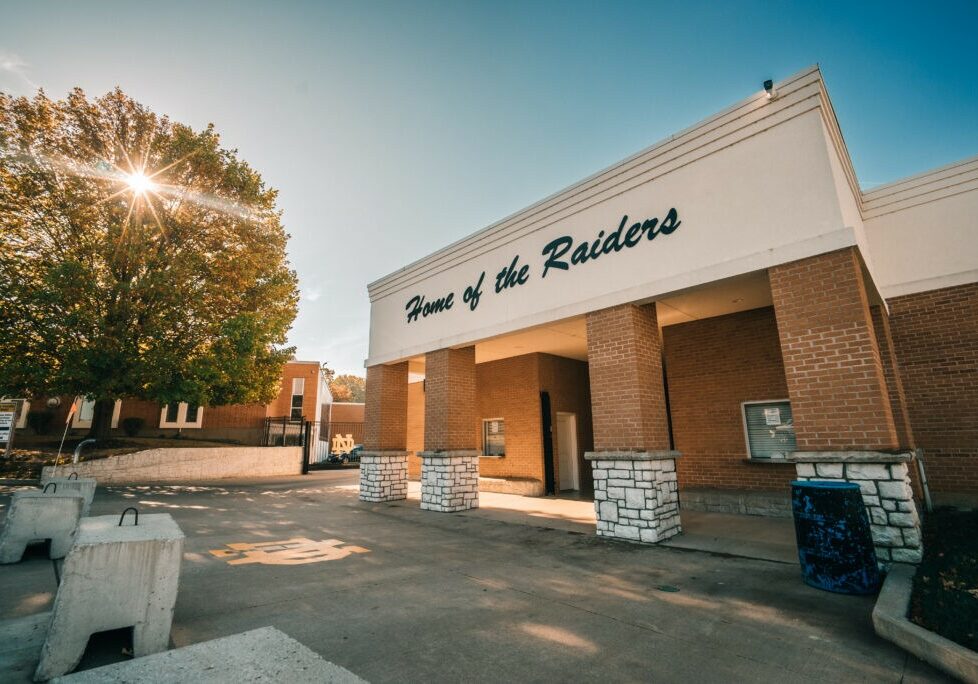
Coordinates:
[320,440]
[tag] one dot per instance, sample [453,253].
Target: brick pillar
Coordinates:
[832,363]
[635,487]
[628,402]
[383,463]
[450,461]
[891,372]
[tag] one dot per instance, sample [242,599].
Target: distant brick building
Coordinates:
[722,313]
[303,395]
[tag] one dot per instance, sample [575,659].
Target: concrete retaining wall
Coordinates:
[187,465]
[511,485]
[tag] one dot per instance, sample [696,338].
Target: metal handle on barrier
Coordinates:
[73,473]
[50,484]
[135,514]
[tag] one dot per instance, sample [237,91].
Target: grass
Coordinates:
[30,453]
[945,589]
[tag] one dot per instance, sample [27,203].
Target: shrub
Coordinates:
[132,425]
[40,421]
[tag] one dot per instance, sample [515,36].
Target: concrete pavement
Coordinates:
[394,593]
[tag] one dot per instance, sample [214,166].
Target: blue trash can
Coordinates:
[835,543]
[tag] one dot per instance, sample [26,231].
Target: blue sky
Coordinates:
[391,129]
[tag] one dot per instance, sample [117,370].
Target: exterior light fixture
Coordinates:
[769,89]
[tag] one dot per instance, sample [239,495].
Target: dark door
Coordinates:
[548,444]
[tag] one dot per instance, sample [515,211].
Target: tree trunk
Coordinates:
[102,419]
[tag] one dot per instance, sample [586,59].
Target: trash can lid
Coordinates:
[824,484]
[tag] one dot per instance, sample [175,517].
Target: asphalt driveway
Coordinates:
[394,593]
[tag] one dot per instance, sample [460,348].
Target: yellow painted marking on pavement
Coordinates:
[295,551]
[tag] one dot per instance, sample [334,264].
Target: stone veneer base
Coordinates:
[383,476]
[449,480]
[884,479]
[635,494]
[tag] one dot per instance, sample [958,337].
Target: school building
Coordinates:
[703,322]
[303,395]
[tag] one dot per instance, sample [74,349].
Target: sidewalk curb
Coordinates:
[890,622]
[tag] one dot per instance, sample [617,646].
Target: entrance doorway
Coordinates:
[570,475]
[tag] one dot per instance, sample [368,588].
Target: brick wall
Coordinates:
[625,367]
[415,428]
[510,389]
[568,383]
[449,400]
[237,422]
[149,411]
[713,365]
[346,413]
[936,337]
[832,362]
[232,416]
[282,404]
[893,375]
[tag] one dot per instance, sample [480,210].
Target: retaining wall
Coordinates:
[187,465]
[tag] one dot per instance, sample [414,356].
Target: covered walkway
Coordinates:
[746,536]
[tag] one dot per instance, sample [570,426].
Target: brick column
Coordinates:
[835,363]
[383,463]
[832,364]
[635,487]
[891,373]
[450,461]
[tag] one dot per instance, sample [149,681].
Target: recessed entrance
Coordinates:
[567,454]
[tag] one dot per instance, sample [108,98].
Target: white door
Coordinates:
[567,451]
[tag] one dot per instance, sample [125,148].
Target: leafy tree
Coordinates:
[138,258]
[348,388]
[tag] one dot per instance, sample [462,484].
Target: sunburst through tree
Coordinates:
[139,259]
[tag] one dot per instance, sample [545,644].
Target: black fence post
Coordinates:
[306,446]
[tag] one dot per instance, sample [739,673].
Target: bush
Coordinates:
[40,421]
[132,425]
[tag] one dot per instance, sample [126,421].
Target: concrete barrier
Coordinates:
[114,577]
[265,654]
[84,486]
[35,516]
[186,464]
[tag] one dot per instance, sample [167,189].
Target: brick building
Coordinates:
[303,395]
[720,314]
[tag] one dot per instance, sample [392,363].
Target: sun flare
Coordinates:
[139,183]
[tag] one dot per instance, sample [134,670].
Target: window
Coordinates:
[86,411]
[82,418]
[25,408]
[298,388]
[493,437]
[769,429]
[182,415]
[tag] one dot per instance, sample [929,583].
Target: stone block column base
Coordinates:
[383,475]
[635,494]
[885,483]
[449,480]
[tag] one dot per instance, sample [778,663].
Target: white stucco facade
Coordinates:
[765,182]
